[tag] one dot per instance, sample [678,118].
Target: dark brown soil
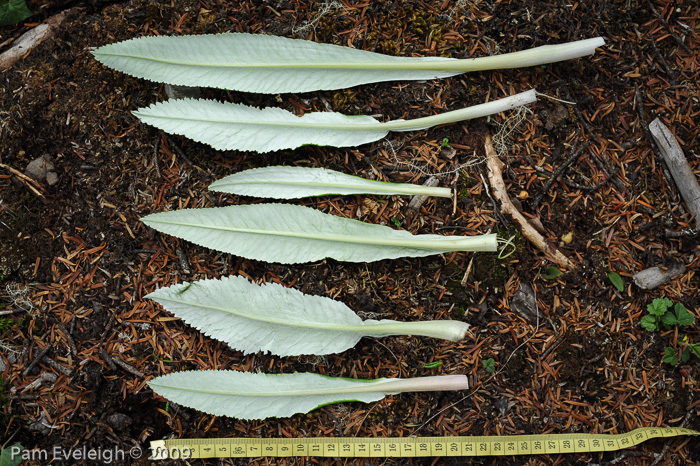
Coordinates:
[80,261]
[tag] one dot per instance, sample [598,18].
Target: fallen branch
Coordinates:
[678,165]
[32,38]
[499,191]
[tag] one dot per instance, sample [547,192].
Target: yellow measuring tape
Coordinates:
[351,447]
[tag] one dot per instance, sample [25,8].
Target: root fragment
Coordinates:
[495,167]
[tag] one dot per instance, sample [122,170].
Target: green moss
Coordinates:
[511,232]
[463,186]
[6,324]
[341,100]
[488,269]
[4,399]
[454,274]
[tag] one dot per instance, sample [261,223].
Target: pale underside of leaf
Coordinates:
[282,320]
[292,234]
[245,395]
[254,63]
[227,126]
[268,64]
[297,182]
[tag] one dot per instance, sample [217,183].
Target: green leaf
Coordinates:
[433,365]
[12,455]
[659,306]
[297,182]
[695,348]
[13,11]
[685,356]
[228,126]
[271,65]
[281,320]
[489,364]
[670,356]
[616,280]
[292,234]
[245,395]
[683,316]
[649,323]
[550,273]
[669,319]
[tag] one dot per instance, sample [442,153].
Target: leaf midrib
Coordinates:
[340,391]
[378,126]
[444,65]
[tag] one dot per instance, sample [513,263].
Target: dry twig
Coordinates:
[499,191]
[29,182]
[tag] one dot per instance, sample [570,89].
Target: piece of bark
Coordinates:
[419,199]
[495,167]
[654,277]
[678,165]
[32,38]
[525,303]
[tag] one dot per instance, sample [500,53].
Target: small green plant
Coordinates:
[673,356]
[550,273]
[396,221]
[445,143]
[13,11]
[616,280]
[433,365]
[660,315]
[11,455]
[489,364]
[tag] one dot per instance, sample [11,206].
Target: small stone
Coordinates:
[39,167]
[119,421]
[502,405]
[51,178]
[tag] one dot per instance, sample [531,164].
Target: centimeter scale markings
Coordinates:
[351,447]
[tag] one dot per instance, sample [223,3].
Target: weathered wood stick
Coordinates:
[679,167]
[654,277]
[34,37]
[495,165]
